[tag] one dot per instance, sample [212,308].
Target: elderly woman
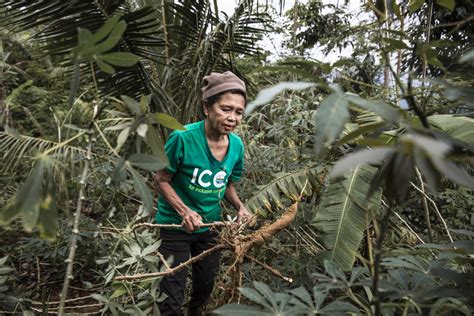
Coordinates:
[205,160]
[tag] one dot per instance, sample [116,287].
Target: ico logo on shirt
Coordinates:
[205,178]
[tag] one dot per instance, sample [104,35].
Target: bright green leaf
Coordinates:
[122,59]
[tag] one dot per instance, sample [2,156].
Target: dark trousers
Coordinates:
[181,246]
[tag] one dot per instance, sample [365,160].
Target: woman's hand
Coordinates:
[243,215]
[191,221]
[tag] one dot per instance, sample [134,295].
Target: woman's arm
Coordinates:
[191,219]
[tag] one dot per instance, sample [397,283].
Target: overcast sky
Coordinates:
[273,42]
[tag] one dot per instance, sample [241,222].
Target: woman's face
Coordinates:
[224,115]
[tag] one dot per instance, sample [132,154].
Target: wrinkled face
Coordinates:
[224,115]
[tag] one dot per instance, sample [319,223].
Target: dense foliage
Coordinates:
[376,150]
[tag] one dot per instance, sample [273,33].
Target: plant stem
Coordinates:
[378,257]
[425,206]
[77,215]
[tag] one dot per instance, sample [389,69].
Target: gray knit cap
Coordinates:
[216,83]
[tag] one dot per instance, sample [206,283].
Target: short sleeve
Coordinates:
[175,151]
[239,166]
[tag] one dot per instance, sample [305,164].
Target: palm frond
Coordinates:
[58,21]
[290,185]
[18,148]
[343,215]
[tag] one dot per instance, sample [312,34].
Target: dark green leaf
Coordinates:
[167,121]
[449,4]
[415,5]
[362,129]
[85,36]
[397,44]
[105,67]
[386,111]
[76,80]
[132,105]
[147,162]
[122,59]
[141,189]
[104,30]
[112,39]
[239,310]
[156,144]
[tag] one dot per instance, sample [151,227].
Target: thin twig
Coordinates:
[57,302]
[269,268]
[435,207]
[173,270]
[150,225]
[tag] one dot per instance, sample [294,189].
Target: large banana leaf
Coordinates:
[290,185]
[460,127]
[343,215]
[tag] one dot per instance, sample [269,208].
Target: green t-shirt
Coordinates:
[199,179]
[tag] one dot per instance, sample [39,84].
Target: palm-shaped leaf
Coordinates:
[343,215]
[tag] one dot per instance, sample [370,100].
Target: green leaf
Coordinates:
[415,5]
[167,121]
[397,44]
[141,188]
[239,310]
[453,172]
[267,95]
[343,214]
[48,218]
[105,67]
[132,105]
[386,111]
[121,290]
[467,57]
[254,296]
[75,82]
[146,162]
[84,35]
[290,185]
[112,39]
[460,127]
[122,138]
[449,4]
[122,59]
[156,144]
[331,116]
[361,157]
[362,129]
[104,30]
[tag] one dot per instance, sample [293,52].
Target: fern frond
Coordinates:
[289,185]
